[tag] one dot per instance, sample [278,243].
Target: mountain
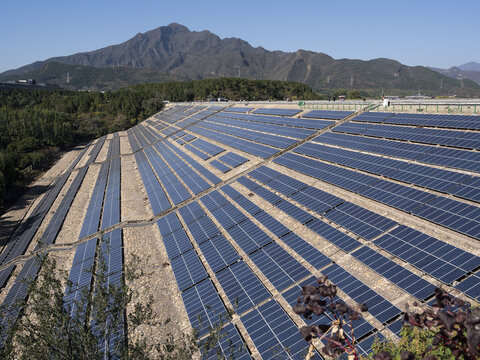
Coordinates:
[179,52]
[465,71]
[77,77]
[470,66]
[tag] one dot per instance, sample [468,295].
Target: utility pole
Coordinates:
[84,76]
[441,83]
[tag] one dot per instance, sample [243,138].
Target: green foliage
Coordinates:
[349,94]
[415,340]
[50,328]
[35,124]
[231,88]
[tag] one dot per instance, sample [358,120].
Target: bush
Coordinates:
[93,326]
[449,330]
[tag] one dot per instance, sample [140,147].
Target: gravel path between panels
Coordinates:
[134,199]
[158,282]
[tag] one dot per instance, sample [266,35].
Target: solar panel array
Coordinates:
[273,111]
[244,239]
[327,114]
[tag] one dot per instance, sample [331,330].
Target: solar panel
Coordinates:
[232,159]
[230,346]
[191,212]
[437,258]
[274,333]
[273,111]
[333,235]
[158,200]
[204,306]
[168,224]
[456,215]
[306,250]
[203,229]
[238,109]
[219,253]
[327,114]
[265,127]
[92,218]
[414,134]
[299,123]
[197,152]
[17,292]
[220,166]
[278,266]
[360,221]
[111,207]
[202,184]
[177,243]
[188,270]
[449,157]
[250,147]
[403,278]
[209,148]
[361,327]
[248,236]
[430,120]
[471,286]
[111,251]
[379,307]
[243,288]
[420,175]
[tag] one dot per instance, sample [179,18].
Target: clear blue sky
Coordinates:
[422,32]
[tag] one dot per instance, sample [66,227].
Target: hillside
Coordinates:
[179,52]
[459,72]
[93,78]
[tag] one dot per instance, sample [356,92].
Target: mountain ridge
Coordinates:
[176,51]
[470,71]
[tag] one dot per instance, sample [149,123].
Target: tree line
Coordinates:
[233,89]
[35,125]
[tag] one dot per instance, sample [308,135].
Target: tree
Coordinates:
[93,326]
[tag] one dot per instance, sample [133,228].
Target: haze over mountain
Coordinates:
[175,52]
[470,66]
[470,70]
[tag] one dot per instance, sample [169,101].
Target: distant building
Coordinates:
[27,85]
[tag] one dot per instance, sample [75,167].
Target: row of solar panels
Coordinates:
[316,114]
[455,215]
[469,122]
[106,196]
[21,239]
[161,175]
[30,269]
[451,138]
[446,181]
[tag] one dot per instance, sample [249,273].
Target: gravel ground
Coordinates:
[134,199]
[158,281]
